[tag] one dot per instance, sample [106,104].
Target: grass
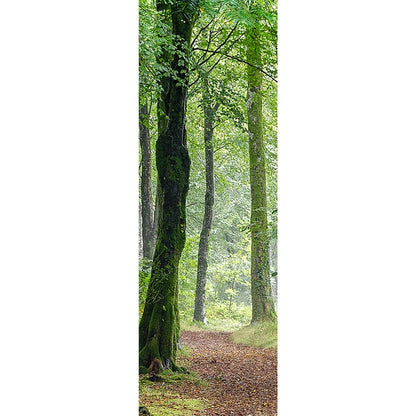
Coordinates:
[161,399]
[162,402]
[262,334]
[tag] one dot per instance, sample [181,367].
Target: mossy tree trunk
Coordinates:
[147,207]
[210,110]
[159,325]
[262,301]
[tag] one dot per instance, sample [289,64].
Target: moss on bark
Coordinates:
[262,301]
[159,327]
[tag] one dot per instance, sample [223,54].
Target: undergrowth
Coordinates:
[262,334]
[219,317]
[217,325]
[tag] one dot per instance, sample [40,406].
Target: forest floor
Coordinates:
[226,379]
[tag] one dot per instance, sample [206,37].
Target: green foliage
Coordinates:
[260,334]
[221,314]
[221,27]
[219,318]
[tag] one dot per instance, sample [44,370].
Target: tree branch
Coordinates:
[236,58]
[201,30]
[219,148]
[216,63]
[218,48]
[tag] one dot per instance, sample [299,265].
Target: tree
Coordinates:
[259,23]
[159,325]
[147,207]
[212,82]
[217,74]
[210,110]
[262,301]
[149,74]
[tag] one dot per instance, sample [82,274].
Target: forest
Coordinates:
[208,207]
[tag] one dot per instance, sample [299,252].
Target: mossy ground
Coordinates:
[167,398]
[160,401]
[262,334]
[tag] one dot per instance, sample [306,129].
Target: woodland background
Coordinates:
[217,81]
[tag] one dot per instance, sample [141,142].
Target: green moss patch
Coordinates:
[161,400]
[175,407]
[165,398]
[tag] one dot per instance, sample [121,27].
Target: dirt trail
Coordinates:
[241,380]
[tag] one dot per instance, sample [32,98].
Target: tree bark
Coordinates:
[262,301]
[159,326]
[201,277]
[147,210]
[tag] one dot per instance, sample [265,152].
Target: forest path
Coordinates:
[239,380]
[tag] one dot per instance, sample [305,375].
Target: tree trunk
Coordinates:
[147,211]
[201,277]
[159,326]
[262,301]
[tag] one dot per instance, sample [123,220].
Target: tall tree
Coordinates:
[147,207]
[159,325]
[212,80]
[210,109]
[148,93]
[262,301]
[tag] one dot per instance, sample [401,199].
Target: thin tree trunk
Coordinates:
[147,211]
[231,294]
[201,278]
[159,326]
[262,301]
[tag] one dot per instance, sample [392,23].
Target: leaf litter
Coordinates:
[235,380]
